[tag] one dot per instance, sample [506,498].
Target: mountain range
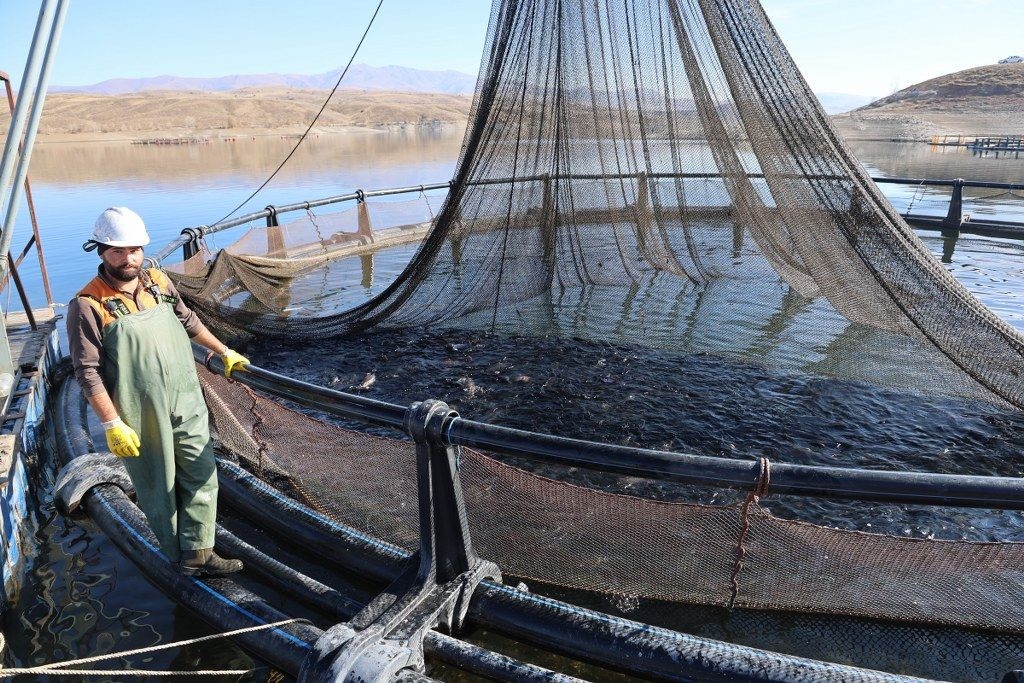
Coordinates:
[359,77]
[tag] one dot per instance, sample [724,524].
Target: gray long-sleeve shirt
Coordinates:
[85,330]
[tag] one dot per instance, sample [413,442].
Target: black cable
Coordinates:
[313,122]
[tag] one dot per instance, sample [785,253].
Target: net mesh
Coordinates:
[578,537]
[259,277]
[619,142]
[670,148]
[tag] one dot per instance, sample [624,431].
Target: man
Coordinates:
[129,335]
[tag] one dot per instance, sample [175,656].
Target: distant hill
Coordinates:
[240,112]
[379,97]
[985,100]
[995,86]
[359,77]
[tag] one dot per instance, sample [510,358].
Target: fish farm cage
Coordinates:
[439,508]
[664,146]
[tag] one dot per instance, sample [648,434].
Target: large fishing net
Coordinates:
[635,548]
[639,171]
[617,144]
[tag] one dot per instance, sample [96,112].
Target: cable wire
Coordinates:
[313,122]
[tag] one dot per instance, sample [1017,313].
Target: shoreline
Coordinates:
[216,135]
[853,126]
[913,125]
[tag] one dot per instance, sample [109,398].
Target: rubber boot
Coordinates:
[205,562]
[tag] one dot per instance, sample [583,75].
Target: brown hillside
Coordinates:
[995,86]
[241,111]
[985,100]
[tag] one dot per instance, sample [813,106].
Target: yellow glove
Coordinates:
[121,439]
[233,361]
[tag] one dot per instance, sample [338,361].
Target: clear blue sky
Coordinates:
[865,47]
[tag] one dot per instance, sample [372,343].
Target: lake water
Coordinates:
[174,187]
[82,596]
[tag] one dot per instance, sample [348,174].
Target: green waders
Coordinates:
[151,377]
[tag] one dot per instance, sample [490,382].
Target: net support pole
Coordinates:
[47,35]
[275,236]
[191,247]
[436,586]
[955,214]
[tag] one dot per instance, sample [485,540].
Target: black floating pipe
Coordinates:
[220,601]
[985,228]
[311,395]
[230,606]
[608,641]
[436,645]
[927,182]
[918,488]
[285,579]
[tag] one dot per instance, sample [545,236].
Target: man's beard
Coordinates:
[125,273]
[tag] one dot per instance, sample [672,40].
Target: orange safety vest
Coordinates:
[112,304]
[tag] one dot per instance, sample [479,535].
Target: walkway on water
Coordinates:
[1000,143]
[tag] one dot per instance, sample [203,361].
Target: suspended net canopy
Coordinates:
[661,163]
[619,144]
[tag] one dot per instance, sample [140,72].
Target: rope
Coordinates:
[914,197]
[316,226]
[262,446]
[311,123]
[56,669]
[426,200]
[10,673]
[258,420]
[760,489]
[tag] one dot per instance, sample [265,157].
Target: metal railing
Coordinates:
[34,240]
[189,236]
[953,219]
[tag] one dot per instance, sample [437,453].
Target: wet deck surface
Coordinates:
[27,344]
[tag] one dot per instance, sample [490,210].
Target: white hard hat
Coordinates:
[118,226]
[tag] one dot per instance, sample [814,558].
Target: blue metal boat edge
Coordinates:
[20,432]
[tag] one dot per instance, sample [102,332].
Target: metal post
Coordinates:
[191,247]
[444,531]
[365,226]
[18,119]
[31,212]
[956,206]
[547,224]
[45,22]
[643,210]
[435,589]
[275,236]
[33,127]
[21,293]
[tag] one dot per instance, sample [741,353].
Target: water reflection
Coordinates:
[915,160]
[174,187]
[81,597]
[216,164]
